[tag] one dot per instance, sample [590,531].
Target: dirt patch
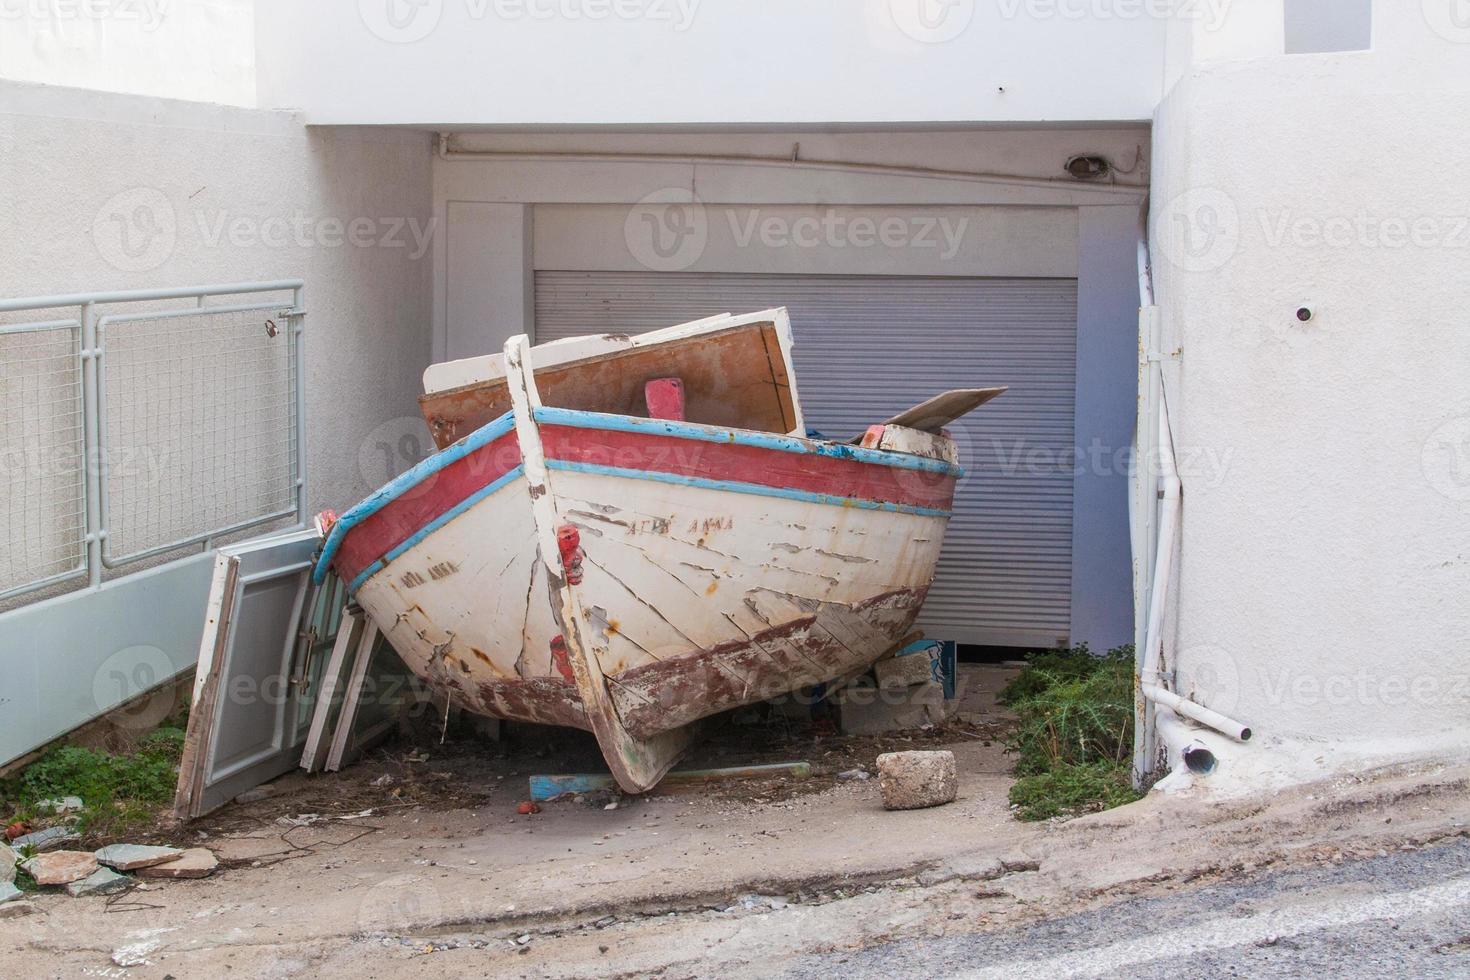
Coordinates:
[472,772]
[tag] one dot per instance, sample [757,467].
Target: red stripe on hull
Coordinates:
[402,517]
[810,472]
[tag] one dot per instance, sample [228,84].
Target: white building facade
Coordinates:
[911,178]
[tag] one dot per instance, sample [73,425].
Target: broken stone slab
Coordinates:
[14,910]
[103,881]
[131,857]
[8,861]
[196,862]
[914,780]
[9,893]
[46,840]
[60,867]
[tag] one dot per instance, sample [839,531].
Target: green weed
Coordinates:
[119,791]
[1072,789]
[1074,737]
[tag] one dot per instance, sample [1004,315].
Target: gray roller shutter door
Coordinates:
[867,347]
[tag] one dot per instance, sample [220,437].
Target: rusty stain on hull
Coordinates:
[656,697]
[542,700]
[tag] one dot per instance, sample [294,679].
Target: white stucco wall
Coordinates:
[202,50]
[1325,558]
[230,195]
[494,62]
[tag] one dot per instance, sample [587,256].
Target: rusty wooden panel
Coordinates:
[656,697]
[736,379]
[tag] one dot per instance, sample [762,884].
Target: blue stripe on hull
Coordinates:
[405,482]
[623,423]
[743,437]
[735,486]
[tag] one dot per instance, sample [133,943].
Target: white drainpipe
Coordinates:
[1148,676]
[1153,582]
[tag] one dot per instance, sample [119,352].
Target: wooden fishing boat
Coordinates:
[630,535]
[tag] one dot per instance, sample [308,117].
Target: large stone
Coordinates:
[196,862]
[7,863]
[103,881]
[913,780]
[131,857]
[9,893]
[60,867]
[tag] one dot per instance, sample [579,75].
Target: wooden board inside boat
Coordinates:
[735,377]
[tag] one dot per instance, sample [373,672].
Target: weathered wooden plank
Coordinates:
[638,764]
[194,762]
[933,414]
[351,695]
[734,369]
[313,753]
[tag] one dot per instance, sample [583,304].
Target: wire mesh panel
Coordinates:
[42,456]
[199,427]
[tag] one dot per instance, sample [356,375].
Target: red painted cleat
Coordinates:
[665,399]
[568,542]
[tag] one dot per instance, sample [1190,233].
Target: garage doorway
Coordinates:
[870,346]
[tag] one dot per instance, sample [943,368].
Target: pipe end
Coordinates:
[1199,760]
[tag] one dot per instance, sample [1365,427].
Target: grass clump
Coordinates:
[1074,737]
[119,791]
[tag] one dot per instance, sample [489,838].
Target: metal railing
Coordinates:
[129,433]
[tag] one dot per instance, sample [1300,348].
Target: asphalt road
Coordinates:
[1403,914]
